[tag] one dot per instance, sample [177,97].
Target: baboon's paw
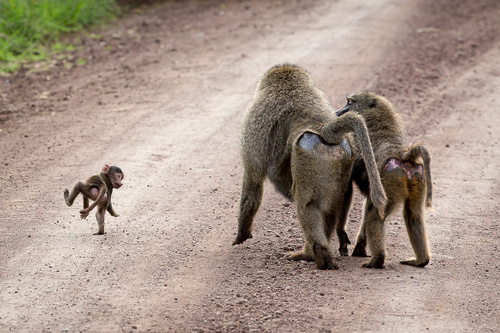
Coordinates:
[300,256]
[414,262]
[344,241]
[66,196]
[323,259]
[375,262]
[359,251]
[343,251]
[240,238]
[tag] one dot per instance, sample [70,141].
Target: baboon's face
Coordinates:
[116,179]
[359,103]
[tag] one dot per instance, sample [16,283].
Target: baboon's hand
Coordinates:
[83,214]
[240,238]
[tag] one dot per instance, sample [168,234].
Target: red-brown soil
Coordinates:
[161,95]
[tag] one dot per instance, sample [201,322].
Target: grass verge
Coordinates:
[30,29]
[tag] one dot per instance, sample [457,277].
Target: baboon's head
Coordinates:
[115,175]
[364,102]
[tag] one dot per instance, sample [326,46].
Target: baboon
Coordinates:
[99,189]
[291,134]
[405,173]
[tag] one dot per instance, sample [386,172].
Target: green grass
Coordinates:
[30,29]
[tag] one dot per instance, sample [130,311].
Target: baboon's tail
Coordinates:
[416,151]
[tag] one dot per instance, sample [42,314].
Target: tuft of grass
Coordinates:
[81,61]
[30,29]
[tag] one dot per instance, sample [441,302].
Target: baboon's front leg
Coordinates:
[111,211]
[360,247]
[342,222]
[251,197]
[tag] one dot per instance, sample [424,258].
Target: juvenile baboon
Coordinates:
[98,188]
[291,134]
[405,173]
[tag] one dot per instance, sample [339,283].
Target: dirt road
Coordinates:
[161,95]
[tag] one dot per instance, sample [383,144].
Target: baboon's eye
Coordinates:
[349,102]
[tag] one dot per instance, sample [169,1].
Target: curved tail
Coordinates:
[350,122]
[412,154]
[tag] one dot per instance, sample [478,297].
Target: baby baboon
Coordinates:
[98,188]
[405,173]
[291,135]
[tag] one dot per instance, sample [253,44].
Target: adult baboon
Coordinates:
[291,135]
[405,173]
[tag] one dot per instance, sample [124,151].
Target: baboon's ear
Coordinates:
[373,103]
[105,170]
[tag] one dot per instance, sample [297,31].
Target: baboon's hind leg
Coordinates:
[101,210]
[316,244]
[413,213]
[70,197]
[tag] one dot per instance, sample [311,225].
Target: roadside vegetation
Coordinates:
[31,30]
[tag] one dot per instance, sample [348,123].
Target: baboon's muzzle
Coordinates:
[340,112]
